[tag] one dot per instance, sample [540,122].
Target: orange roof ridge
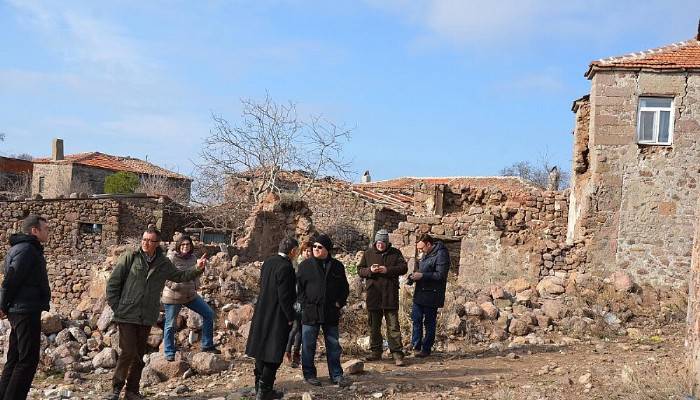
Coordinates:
[675,56]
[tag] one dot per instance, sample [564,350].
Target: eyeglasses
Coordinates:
[186,244]
[151,241]
[318,246]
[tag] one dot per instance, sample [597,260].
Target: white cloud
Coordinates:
[507,23]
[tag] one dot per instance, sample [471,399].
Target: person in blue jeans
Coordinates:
[176,295]
[323,290]
[431,280]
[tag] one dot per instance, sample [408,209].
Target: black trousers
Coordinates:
[22,356]
[265,374]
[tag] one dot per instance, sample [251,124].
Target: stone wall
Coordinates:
[56,178]
[636,210]
[496,234]
[81,230]
[693,334]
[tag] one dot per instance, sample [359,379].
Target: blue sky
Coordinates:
[432,88]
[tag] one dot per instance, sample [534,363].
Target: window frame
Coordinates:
[42,184]
[657,121]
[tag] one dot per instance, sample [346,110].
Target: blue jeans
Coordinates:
[423,316]
[309,334]
[197,305]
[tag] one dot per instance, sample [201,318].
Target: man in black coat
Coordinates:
[323,291]
[429,295]
[25,293]
[273,318]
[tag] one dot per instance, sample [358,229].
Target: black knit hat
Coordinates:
[325,241]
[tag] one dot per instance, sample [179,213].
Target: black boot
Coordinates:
[266,392]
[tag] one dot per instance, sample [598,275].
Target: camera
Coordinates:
[409,281]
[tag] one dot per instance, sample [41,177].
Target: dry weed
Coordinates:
[656,382]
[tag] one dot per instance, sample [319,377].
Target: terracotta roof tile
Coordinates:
[676,56]
[502,182]
[115,163]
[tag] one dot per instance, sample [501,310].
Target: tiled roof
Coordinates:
[677,56]
[115,163]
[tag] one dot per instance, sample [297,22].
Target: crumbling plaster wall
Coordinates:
[637,208]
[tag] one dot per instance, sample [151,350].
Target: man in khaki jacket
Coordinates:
[133,293]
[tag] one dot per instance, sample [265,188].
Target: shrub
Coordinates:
[121,183]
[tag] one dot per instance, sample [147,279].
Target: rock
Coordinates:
[208,363]
[149,377]
[240,316]
[622,281]
[50,323]
[167,369]
[551,285]
[525,296]
[363,342]
[306,396]
[544,321]
[65,355]
[554,309]
[353,367]
[489,310]
[585,378]
[503,304]
[471,309]
[78,334]
[634,334]
[105,318]
[107,359]
[517,285]
[518,327]
[63,337]
[194,320]
[155,337]
[93,344]
[244,330]
[454,324]
[497,292]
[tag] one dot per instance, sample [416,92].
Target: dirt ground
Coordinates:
[646,367]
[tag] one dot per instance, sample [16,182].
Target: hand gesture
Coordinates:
[416,276]
[202,262]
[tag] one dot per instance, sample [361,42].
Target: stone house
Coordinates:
[82,229]
[61,175]
[635,165]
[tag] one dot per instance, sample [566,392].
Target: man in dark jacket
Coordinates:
[24,295]
[133,292]
[381,266]
[323,291]
[273,317]
[429,295]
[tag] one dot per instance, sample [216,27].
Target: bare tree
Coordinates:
[538,172]
[269,139]
[155,185]
[16,186]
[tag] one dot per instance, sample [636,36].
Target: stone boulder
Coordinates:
[245,330]
[208,363]
[471,309]
[497,292]
[554,309]
[78,334]
[241,315]
[551,285]
[105,319]
[519,327]
[167,369]
[149,377]
[353,367]
[107,358]
[50,323]
[622,281]
[155,337]
[489,310]
[515,286]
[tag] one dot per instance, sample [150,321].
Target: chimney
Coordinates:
[366,178]
[57,149]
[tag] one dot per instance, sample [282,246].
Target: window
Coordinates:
[91,229]
[42,184]
[655,120]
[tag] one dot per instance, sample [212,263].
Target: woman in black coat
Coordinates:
[273,317]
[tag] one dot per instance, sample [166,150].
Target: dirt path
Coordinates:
[620,368]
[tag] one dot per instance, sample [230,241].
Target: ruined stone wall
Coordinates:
[89,179]
[81,230]
[496,234]
[348,219]
[640,199]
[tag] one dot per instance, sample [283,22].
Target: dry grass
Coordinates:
[656,382]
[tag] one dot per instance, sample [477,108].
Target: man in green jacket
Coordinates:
[133,293]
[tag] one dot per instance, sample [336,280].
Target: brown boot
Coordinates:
[375,356]
[398,359]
